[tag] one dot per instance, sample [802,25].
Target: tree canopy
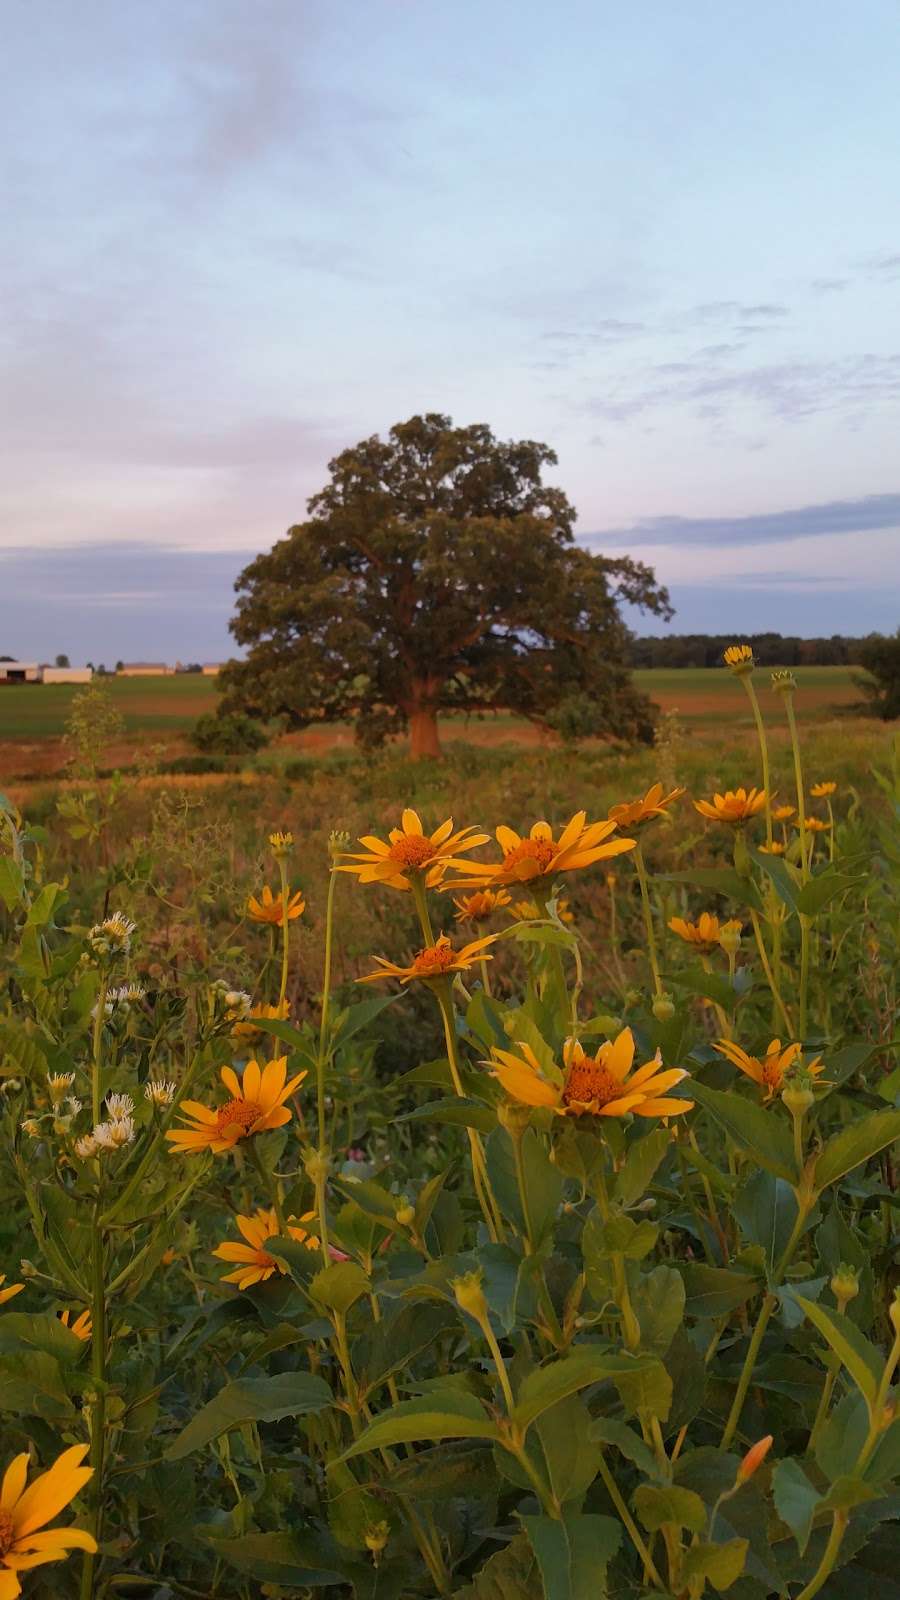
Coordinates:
[437,571]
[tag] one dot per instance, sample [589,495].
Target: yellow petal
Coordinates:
[14,1480]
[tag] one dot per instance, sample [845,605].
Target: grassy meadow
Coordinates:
[491,1216]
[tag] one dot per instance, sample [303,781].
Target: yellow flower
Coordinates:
[7,1294]
[705,933]
[410,849]
[281,843]
[256,1104]
[735,805]
[254,1264]
[247,1029]
[480,905]
[776,848]
[24,1540]
[814,825]
[602,1085]
[631,813]
[739,657]
[782,813]
[823,791]
[539,855]
[767,1071]
[81,1326]
[270,907]
[435,961]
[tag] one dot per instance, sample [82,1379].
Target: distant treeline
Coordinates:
[770,650]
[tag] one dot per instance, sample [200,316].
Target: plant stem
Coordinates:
[631,1527]
[648,917]
[770,976]
[285,935]
[326,1002]
[763,751]
[523,1191]
[483,1190]
[829,1556]
[734,1416]
[798,779]
[98,1407]
[97,1052]
[804,972]
[500,1364]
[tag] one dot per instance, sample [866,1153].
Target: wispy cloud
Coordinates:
[871,513]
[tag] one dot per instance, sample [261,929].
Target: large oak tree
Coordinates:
[436,571]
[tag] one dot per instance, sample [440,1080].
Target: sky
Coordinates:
[243,234]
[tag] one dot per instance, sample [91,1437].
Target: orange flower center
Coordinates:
[265,1261]
[590,1080]
[413,850]
[772,1072]
[529,857]
[7,1532]
[434,959]
[242,1112]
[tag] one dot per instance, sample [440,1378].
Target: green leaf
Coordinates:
[719,1564]
[543,1181]
[786,885]
[760,1132]
[277,1558]
[821,890]
[402,1335]
[860,1358]
[847,1492]
[608,1430]
[573,1553]
[511,1574]
[455,1113]
[23,1330]
[646,1388]
[44,904]
[563,1437]
[636,1174]
[796,1500]
[766,1209]
[856,1144]
[440,1414]
[288,1394]
[708,985]
[32,1385]
[657,1506]
[715,1291]
[12,882]
[658,1303]
[339,1286]
[359,1016]
[724,880]
[545,1386]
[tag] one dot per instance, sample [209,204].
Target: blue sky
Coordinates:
[245,233]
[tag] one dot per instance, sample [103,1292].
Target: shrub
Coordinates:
[880,659]
[232,733]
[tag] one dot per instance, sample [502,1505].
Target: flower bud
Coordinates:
[470,1295]
[798,1097]
[513,1117]
[316,1165]
[338,842]
[27,1268]
[754,1458]
[783,682]
[845,1284]
[730,938]
[663,1008]
[405,1214]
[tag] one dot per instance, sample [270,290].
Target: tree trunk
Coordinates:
[423,734]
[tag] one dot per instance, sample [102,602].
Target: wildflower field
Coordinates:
[468,1179]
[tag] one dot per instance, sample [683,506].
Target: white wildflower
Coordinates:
[160,1091]
[119,1106]
[58,1083]
[86,1147]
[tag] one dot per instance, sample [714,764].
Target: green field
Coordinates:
[701,694]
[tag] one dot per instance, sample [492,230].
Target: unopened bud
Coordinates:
[845,1284]
[281,844]
[754,1458]
[338,842]
[798,1097]
[730,938]
[27,1268]
[405,1214]
[470,1295]
[316,1165]
[663,1008]
[783,682]
[514,1117]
